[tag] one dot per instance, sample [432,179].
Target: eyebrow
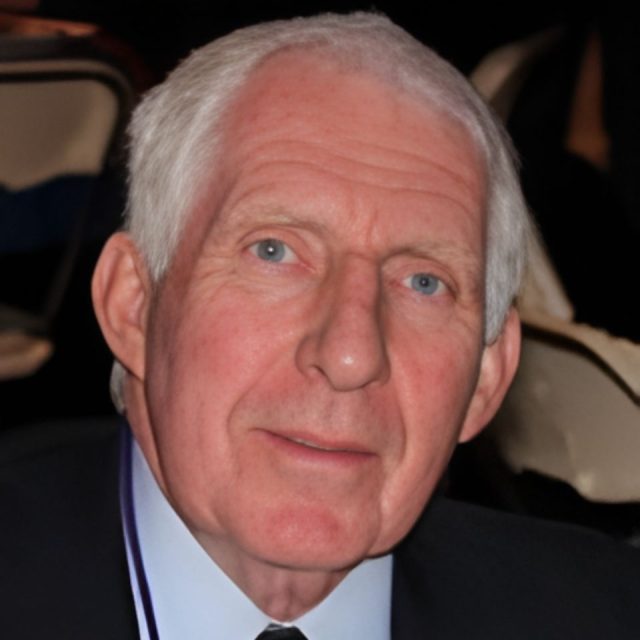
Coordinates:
[240,204]
[427,249]
[270,215]
[467,263]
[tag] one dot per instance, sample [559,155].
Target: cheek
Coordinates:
[216,347]
[434,391]
[202,365]
[441,375]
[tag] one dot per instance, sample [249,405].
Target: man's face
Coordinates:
[312,353]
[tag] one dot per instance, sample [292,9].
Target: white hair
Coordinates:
[176,135]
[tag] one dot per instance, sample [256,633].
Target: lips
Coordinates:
[314,449]
[320,447]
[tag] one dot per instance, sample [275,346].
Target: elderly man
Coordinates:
[310,307]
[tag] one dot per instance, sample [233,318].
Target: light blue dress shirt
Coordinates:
[193,599]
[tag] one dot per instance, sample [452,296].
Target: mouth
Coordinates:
[316,450]
[320,447]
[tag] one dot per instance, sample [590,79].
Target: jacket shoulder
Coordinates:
[64,567]
[467,571]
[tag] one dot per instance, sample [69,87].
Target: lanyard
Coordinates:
[131,532]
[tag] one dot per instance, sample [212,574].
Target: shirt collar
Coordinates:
[192,596]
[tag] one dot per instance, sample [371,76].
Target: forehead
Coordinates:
[301,94]
[304,128]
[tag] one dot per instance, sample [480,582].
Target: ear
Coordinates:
[497,368]
[121,290]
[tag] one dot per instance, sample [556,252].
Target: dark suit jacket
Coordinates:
[463,573]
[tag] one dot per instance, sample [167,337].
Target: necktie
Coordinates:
[277,632]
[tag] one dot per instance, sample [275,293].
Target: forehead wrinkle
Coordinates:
[419,159]
[398,186]
[323,153]
[251,197]
[264,203]
[272,215]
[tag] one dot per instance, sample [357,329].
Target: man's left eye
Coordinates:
[272,250]
[425,283]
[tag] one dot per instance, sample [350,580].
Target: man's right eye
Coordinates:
[272,250]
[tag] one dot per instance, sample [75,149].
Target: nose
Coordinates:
[346,342]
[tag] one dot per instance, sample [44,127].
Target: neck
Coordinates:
[284,594]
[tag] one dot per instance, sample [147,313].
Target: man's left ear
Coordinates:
[497,368]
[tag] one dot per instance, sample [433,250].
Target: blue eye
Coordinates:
[425,283]
[271,250]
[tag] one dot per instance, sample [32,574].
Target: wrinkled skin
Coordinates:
[299,379]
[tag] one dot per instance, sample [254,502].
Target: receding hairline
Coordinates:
[325,55]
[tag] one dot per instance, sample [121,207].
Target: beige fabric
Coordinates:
[500,75]
[575,416]
[50,128]
[22,354]
[54,128]
[620,357]
[573,412]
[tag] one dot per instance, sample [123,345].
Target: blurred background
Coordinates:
[567,443]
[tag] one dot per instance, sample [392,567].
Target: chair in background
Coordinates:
[573,413]
[63,105]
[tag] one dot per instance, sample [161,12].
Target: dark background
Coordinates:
[163,32]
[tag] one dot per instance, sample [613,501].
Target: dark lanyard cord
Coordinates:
[129,520]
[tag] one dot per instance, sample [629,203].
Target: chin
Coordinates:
[312,540]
